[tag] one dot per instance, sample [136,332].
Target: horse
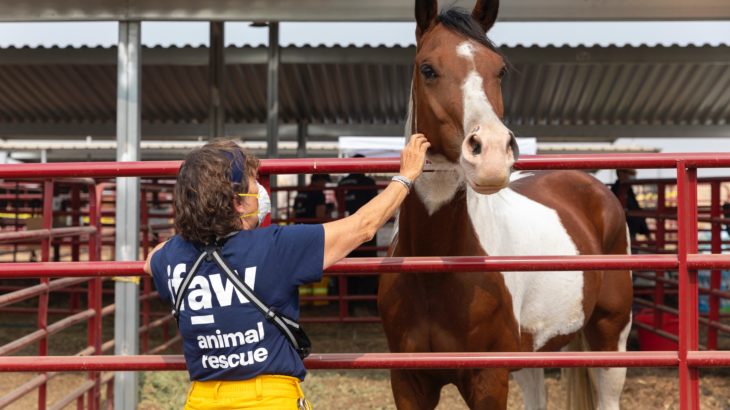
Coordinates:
[474,204]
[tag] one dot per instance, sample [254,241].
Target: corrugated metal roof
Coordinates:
[619,94]
[554,91]
[348,10]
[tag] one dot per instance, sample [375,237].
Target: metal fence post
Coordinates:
[43,298]
[144,221]
[126,315]
[688,297]
[94,291]
[715,274]
[660,241]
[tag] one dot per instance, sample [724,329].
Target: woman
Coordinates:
[235,357]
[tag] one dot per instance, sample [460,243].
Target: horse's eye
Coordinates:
[428,72]
[502,73]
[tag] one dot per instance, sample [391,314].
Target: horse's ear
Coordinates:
[426,11]
[485,12]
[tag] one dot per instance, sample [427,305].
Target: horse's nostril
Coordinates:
[476,146]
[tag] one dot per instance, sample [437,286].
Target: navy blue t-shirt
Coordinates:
[224,336]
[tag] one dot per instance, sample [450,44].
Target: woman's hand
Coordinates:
[413,156]
[342,236]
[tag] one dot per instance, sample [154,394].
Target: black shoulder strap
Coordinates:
[211,254]
[178,295]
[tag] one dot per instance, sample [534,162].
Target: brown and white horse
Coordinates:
[473,204]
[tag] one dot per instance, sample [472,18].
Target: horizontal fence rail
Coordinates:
[387,265]
[347,165]
[383,361]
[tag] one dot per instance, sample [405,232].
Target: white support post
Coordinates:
[126,294]
[301,148]
[216,80]
[272,104]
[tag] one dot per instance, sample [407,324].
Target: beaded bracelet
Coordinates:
[403,180]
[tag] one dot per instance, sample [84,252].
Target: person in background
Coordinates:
[725,187]
[625,194]
[726,215]
[310,207]
[311,204]
[354,199]
[236,358]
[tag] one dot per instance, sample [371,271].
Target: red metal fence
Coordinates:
[688,359]
[663,211]
[36,230]
[92,315]
[656,316]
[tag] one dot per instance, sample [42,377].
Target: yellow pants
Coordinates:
[264,392]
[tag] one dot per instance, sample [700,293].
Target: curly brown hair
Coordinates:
[205,192]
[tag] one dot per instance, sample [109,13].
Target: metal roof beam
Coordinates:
[608,132]
[325,132]
[198,56]
[350,10]
[287,132]
[615,55]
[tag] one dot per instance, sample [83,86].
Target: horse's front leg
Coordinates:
[532,384]
[400,304]
[484,389]
[414,389]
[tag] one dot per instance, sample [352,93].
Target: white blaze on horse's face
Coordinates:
[486,153]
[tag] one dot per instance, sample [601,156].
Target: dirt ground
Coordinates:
[370,389]
[644,389]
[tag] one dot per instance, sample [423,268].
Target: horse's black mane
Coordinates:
[460,21]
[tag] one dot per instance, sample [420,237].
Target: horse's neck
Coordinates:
[436,189]
[435,220]
[425,229]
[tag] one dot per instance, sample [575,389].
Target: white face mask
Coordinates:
[264,203]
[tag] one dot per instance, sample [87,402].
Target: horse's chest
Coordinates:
[546,304]
[447,312]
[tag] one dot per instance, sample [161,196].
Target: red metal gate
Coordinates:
[687,261]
